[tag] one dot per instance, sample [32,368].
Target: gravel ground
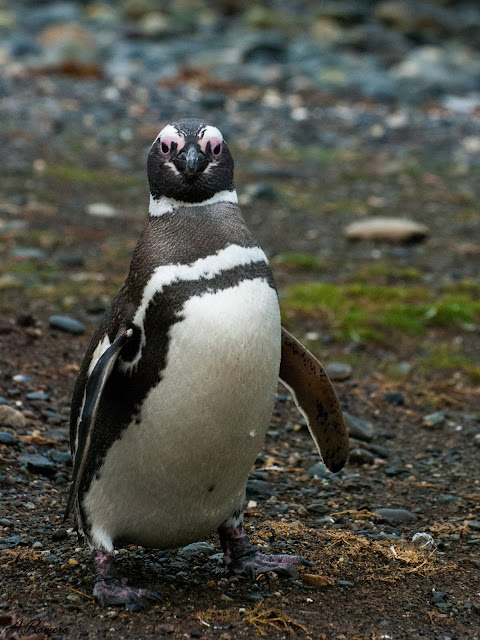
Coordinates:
[333,118]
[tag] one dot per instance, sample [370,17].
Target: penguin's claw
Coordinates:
[257,564]
[115,591]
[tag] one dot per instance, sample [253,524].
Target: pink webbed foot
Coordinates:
[112,590]
[241,557]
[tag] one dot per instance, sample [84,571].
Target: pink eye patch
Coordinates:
[213,136]
[168,136]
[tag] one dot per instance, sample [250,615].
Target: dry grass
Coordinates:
[264,620]
[347,555]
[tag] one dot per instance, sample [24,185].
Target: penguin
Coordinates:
[175,393]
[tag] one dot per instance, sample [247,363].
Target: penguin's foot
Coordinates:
[242,558]
[111,589]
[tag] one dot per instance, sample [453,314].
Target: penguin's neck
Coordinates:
[161,206]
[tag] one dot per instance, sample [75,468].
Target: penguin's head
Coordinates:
[189,161]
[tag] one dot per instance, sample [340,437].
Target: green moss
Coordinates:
[384,272]
[376,312]
[445,356]
[307,154]
[300,261]
[41,238]
[92,176]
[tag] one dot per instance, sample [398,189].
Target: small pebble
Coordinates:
[345,583]
[392,471]
[338,371]
[59,534]
[38,396]
[12,541]
[61,457]
[361,456]
[395,398]
[358,428]
[67,324]
[7,438]
[197,548]
[38,464]
[20,377]
[5,522]
[102,210]
[396,516]
[259,488]
[434,420]
[319,470]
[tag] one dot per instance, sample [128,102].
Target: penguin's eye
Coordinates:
[165,147]
[216,149]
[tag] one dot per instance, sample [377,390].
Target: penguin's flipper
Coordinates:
[315,396]
[93,393]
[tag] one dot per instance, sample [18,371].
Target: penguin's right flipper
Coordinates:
[93,394]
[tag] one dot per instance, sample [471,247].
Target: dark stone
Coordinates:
[38,464]
[361,456]
[396,516]
[259,489]
[67,324]
[394,397]
[318,507]
[319,470]
[59,534]
[7,438]
[392,471]
[197,548]
[379,451]
[271,48]
[12,541]
[357,427]
[70,261]
[61,457]
[212,100]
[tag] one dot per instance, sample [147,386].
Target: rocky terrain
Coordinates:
[339,115]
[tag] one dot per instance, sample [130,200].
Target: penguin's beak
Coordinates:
[191,161]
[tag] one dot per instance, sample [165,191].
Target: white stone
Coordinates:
[102,210]
[387,229]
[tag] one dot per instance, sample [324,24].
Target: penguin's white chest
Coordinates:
[180,470]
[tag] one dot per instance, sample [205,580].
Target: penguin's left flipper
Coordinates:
[93,394]
[315,396]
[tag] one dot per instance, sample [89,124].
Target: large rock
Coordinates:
[11,417]
[395,230]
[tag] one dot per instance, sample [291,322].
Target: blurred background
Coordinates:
[338,113]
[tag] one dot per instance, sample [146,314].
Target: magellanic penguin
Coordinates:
[176,391]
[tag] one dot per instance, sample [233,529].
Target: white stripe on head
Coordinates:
[166,205]
[212,135]
[170,134]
